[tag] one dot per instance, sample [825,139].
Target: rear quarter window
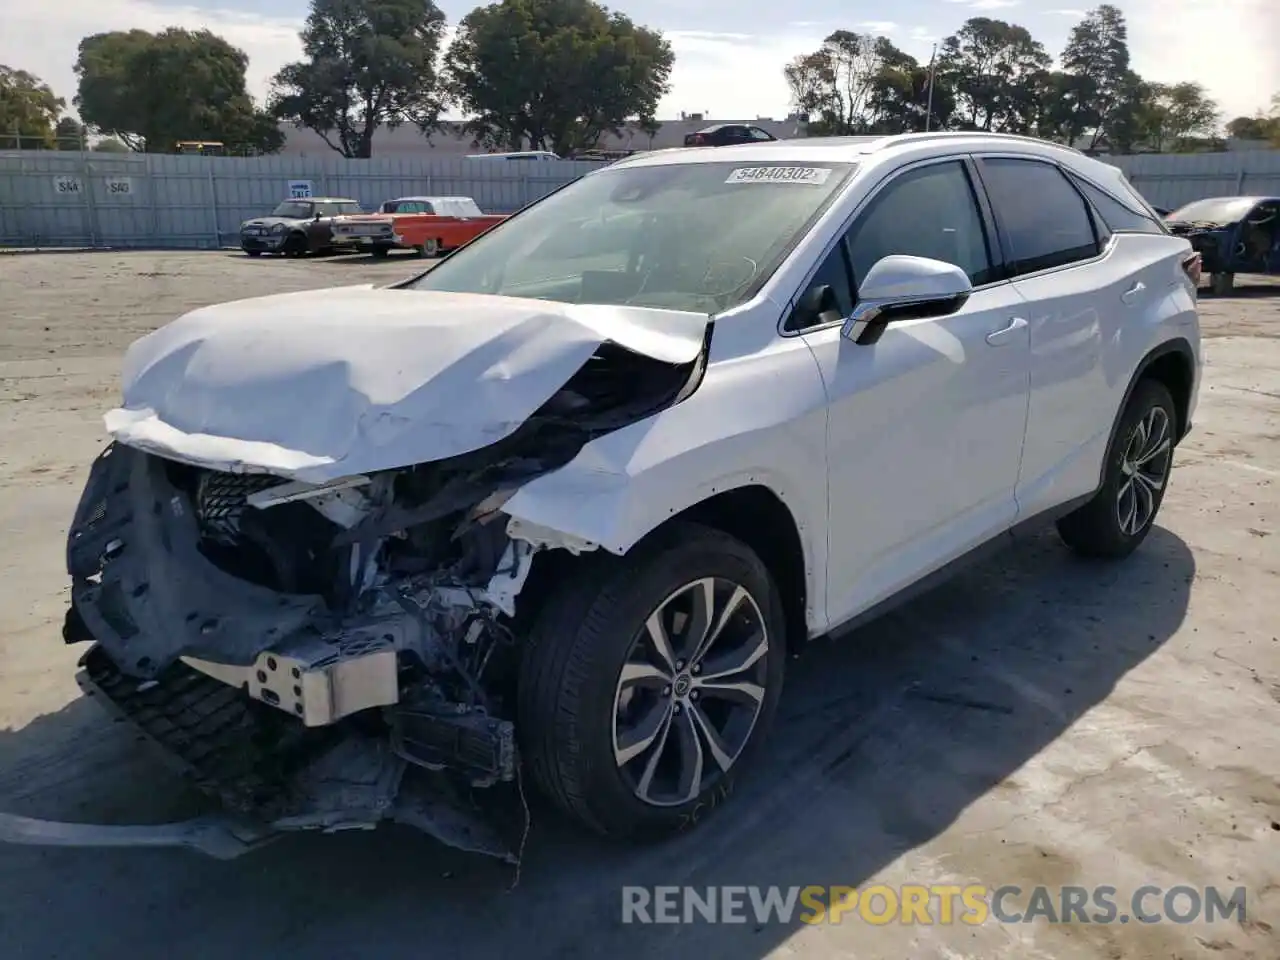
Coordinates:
[1118,216]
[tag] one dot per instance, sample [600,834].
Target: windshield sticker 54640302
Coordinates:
[811,175]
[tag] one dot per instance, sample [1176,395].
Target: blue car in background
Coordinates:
[1232,235]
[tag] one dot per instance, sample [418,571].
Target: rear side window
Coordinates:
[1044,218]
[1118,217]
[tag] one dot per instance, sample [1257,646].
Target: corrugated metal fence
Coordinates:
[51,199]
[57,199]
[1170,180]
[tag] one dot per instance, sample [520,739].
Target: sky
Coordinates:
[729,53]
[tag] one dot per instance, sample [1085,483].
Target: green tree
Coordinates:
[1065,111]
[70,134]
[998,72]
[1096,61]
[834,83]
[554,74]
[1250,128]
[900,98]
[368,63]
[29,110]
[1262,126]
[151,90]
[1177,116]
[861,83]
[109,145]
[811,79]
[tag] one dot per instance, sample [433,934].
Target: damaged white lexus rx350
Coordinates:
[554,512]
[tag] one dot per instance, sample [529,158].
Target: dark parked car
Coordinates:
[724,134]
[298,227]
[1232,235]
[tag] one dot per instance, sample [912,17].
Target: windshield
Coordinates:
[695,236]
[293,209]
[1221,210]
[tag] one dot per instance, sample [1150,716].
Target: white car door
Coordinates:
[1087,294]
[925,426]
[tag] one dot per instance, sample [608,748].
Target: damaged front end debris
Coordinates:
[330,656]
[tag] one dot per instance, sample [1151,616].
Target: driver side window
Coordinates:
[926,212]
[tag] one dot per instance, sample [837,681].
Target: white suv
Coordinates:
[564,503]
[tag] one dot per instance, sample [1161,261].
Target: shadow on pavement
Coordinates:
[884,738]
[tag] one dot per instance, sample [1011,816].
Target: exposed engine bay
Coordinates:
[331,655]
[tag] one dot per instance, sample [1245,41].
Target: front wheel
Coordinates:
[295,246]
[1135,476]
[650,681]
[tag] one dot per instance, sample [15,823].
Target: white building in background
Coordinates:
[407,141]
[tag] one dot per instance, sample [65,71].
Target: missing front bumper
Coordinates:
[272,775]
[318,683]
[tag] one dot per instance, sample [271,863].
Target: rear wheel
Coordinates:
[1135,477]
[649,682]
[1222,284]
[253,253]
[430,248]
[380,250]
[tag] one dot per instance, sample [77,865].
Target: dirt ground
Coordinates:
[1037,721]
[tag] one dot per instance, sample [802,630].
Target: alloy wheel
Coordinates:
[1144,469]
[690,691]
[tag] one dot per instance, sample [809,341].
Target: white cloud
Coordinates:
[878,26]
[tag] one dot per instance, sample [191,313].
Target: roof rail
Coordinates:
[895,139]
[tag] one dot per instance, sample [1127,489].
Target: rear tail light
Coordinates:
[1191,265]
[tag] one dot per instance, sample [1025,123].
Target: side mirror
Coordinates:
[899,288]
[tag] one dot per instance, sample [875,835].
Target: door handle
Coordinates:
[1131,294]
[1004,336]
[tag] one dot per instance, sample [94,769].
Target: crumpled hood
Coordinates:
[328,383]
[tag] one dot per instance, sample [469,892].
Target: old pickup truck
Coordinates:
[429,225]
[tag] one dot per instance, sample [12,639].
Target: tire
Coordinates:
[430,248]
[1222,284]
[570,684]
[253,253]
[380,252]
[295,246]
[1104,528]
